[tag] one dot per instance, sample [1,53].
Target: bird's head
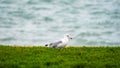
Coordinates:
[68,36]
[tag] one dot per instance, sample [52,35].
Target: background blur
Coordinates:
[36,22]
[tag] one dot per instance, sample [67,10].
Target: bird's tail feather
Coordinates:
[46,44]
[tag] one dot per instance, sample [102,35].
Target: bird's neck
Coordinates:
[66,39]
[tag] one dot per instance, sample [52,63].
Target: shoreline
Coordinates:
[65,47]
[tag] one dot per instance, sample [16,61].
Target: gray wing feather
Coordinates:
[55,44]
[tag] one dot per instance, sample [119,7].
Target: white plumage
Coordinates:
[60,43]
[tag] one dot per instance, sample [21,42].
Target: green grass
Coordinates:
[71,57]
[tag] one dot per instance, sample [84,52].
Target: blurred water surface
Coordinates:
[36,22]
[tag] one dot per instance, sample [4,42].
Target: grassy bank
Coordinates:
[71,57]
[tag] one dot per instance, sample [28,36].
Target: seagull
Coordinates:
[60,43]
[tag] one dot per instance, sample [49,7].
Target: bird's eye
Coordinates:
[67,35]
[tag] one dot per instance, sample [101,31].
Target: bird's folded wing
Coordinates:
[55,44]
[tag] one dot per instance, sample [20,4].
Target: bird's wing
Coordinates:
[55,44]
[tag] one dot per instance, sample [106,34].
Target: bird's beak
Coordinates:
[71,38]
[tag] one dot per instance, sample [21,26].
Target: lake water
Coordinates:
[36,22]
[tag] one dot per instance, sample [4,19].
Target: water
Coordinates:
[35,22]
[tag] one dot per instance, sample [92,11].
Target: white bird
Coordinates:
[60,43]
